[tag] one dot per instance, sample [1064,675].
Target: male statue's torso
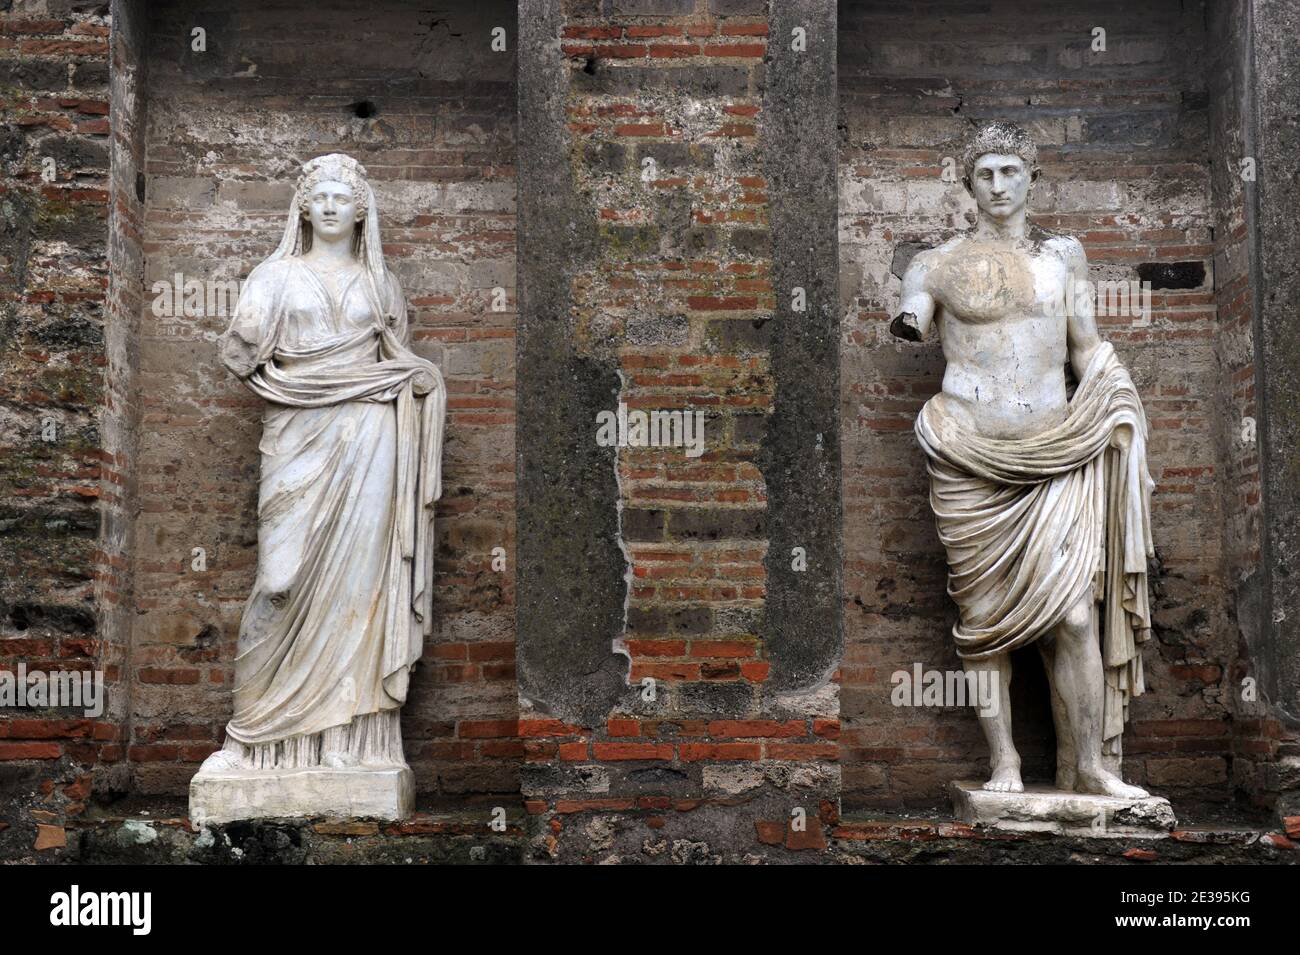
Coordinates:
[1001,311]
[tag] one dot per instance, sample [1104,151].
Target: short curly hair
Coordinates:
[1000,137]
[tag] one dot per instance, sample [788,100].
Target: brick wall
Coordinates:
[682,182]
[1122,137]
[670,137]
[683,277]
[423,101]
[54,144]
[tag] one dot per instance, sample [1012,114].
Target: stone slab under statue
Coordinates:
[350,469]
[1048,809]
[360,793]
[1041,497]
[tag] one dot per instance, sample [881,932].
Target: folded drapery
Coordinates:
[351,451]
[1033,525]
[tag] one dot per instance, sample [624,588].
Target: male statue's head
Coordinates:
[1000,162]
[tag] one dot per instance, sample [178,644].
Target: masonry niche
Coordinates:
[1133,143]
[235,100]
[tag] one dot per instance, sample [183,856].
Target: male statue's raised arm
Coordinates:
[916,307]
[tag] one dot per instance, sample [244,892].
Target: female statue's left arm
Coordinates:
[398,322]
[395,316]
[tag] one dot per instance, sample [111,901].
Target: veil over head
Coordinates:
[338,167]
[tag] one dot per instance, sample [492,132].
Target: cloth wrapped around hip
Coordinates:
[1034,525]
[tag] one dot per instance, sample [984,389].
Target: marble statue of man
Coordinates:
[1041,498]
[350,450]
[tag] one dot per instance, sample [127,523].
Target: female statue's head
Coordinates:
[333,201]
[333,196]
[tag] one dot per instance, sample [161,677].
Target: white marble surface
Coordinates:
[362,793]
[1044,809]
[1041,499]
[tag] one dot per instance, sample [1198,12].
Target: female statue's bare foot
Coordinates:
[1005,779]
[339,760]
[221,762]
[1104,783]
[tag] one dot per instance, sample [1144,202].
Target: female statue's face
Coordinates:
[332,209]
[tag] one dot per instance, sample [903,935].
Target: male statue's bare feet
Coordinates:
[1103,783]
[339,760]
[1005,779]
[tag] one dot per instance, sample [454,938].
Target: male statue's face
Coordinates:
[1000,184]
[332,209]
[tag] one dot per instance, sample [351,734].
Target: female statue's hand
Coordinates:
[423,382]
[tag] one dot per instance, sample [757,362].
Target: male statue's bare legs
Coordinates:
[1075,670]
[1072,659]
[1004,761]
[1067,762]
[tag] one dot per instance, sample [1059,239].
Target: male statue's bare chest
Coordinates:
[983,282]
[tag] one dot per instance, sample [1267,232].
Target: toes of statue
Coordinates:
[338,760]
[222,761]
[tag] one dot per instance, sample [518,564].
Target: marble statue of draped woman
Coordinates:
[350,453]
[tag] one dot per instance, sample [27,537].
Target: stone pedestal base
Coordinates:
[1043,809]
[384,793]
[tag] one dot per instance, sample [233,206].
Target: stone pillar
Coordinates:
[570,575]
[679,608]
[120,417]
[1274,71]
[801,448]
[1276,81]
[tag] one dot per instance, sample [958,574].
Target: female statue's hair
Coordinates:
[335,167]
[1000,137]
[366,246]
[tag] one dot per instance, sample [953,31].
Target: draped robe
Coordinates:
[1033,525]
[351,447]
